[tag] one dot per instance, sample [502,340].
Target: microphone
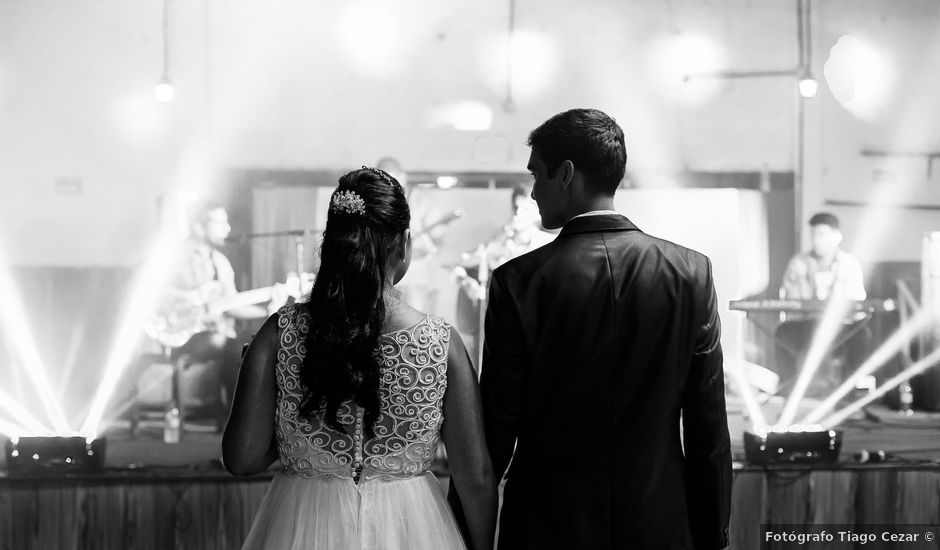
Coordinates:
[865,456]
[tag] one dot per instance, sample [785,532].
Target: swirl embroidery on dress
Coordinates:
[412,384]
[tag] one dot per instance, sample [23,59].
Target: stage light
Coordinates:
[22,416]
[142,299]
[808,85]
[806,446]
[446,182]
[736,369]
[140,304]
[14,430]
[15,325]
[859,76]
[920,366]
[826,332]
[888,349]
[164,90]
[54,455]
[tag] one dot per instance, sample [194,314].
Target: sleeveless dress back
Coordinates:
[343,489]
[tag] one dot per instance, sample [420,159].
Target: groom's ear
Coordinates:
[565,174]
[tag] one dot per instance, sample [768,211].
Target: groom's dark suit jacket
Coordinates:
[595,344]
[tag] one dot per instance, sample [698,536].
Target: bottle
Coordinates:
[905,399]
[171,426]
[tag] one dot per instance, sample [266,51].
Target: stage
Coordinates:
[158,495]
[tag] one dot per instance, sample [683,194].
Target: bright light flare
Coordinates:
[533,62]
[164,90]
[528,58]
[683,65]
[371,42]
[13,321]
[13,431]
[22,416]
[140,305]
[808,87]
[886,351]
[467,116]
[905,375]
[139,118]
[826,332]
[447,182]
[859,76]
[747,392]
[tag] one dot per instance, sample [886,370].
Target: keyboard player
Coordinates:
[823,272]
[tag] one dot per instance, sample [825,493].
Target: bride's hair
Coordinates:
[367,219]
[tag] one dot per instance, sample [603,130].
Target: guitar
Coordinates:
[472,287]
[444,220]
[204,310]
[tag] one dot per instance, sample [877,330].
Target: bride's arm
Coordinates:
[471,470]
[248,444]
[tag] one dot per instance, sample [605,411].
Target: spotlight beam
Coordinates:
[71,358]
[13,321]
[877,360]
[23,416]
[143,299]
[117,410]
[11,430]
[825,334]
[747,393]
[897,380]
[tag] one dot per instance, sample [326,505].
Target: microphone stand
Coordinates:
[298,235]
[299,258]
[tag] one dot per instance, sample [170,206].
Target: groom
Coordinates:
[595,345]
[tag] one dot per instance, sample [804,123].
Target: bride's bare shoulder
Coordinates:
[403,316]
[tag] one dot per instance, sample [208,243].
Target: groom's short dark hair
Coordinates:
[590,139]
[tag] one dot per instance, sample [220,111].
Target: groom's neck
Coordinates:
[592,204]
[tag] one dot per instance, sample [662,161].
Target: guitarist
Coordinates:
[428,228]
[203,274]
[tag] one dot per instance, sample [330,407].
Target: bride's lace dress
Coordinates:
[343,490]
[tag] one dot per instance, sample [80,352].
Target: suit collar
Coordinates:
[602,222]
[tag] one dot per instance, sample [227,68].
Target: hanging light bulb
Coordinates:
[164,90]
[808,85]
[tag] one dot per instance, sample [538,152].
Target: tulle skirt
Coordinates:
[333,513]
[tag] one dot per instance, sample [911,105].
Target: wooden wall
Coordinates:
[214,511]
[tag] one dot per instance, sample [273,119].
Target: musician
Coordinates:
[523,233]
[418,285]
[825,271]
[202,275]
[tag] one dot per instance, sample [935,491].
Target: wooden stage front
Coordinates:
[155,495]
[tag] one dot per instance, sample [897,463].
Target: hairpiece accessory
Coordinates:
[380,173]
[349,202]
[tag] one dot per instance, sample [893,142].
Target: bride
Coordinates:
[351,392]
